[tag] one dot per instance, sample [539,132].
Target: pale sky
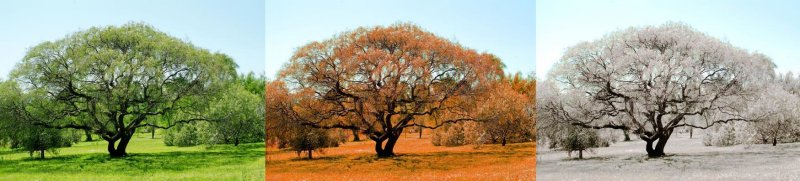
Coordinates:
[769,27]
[234,27]
[504,28]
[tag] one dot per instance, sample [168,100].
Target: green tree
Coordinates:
[244,116]
[117,77]
[19,134]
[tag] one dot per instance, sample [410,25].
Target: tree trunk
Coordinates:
[627,136]
[153,133]
[309,154]
[661,142]
[504,141]
[691,132]
[88,135]
[355,135]
[388,149]
[774,141]
[119,150]
[420,132]
[236,142]
[580,154]
[41,154]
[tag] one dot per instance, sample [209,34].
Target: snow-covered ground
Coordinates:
[689,160]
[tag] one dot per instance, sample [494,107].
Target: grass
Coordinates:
[417,159]
[688,159]
[149,159]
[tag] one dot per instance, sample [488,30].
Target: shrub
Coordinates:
[312,139]
[458,134]
[189,134]
[580,139]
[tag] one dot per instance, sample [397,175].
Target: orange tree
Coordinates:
[379,80]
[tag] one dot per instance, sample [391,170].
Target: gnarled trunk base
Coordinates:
[118,150]
[386,150]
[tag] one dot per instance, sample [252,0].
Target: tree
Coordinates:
[308,139]
[510,104]
[379,80]
[117,77]
[783,107]
[243,113]
[41,139]
[580,139]
[21,134]
[651,79]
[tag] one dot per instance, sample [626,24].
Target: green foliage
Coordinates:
[241,117]
[110,80]
[190,134]
[17,133]
[38,139]
[242,114]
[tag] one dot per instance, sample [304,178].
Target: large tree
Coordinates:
[109,80]
[651,79]
[379,80]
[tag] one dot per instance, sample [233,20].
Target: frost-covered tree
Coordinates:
[580,139]
[782,120]
[651,79]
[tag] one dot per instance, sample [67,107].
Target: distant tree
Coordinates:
[379,80]
[243,113]
[308,139]
[41,139]
[651,79]
[117,77]
[510,105]
[17,133]
[783,118]
[580,139]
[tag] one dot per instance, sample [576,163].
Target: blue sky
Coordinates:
[235,28]
[504,28]
[769,27]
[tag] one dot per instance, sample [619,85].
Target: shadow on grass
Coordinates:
[137,163]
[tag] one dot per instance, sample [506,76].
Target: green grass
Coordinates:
[149,159]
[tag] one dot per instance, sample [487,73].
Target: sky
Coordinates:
[769,27]
[503,28]
[234,27]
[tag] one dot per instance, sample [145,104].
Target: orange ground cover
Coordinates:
[417,159]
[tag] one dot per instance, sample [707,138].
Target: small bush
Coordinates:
[731,134]
[581,139]
[312,139]
[458,134]
[190,134]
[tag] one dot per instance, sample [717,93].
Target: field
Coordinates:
[149,159]
[417,159]
[689,160]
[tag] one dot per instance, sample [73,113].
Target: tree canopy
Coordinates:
[652,79]
[109,80]
[379,80]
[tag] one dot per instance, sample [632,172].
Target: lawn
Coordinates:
[417,159]
[688,159]
[149,159]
